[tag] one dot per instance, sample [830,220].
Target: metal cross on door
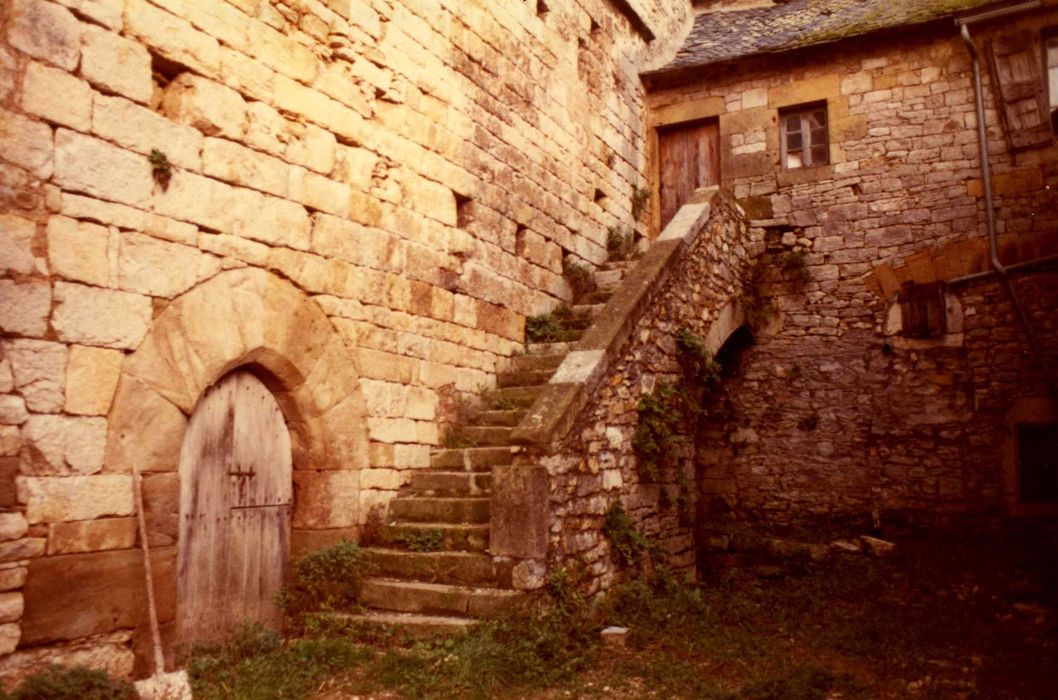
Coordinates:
[235,503]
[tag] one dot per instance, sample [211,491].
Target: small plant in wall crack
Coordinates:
[640,202]
[579,277]
[424,540]
[620,243]
[161,168]
[629,544]
[662,414]
[700,368]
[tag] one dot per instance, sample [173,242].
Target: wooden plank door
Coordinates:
[689,158]
[235,503]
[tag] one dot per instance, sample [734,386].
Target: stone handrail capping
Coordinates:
[552,414]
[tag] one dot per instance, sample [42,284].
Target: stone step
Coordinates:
[529,377]
[520,396]
[497,417]
[436,598]
[601,295]
[485,435]
[434,509]
[471,459]
[455,537]
[411,624]
[559,349]
[439,483]
[522,363]
[463,568]
[587,311]
[611,265]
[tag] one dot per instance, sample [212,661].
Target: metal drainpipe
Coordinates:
[990,212]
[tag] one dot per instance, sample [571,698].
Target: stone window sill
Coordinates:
[813,173]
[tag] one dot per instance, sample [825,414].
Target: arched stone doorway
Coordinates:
[236,495]
[251,320]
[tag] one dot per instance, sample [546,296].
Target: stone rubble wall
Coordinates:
[833,415]
[596,463]
[417,169]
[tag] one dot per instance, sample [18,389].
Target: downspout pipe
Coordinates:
[986,176]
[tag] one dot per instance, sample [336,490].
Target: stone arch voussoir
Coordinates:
[248,318]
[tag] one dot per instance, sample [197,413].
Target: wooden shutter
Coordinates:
[1017,80]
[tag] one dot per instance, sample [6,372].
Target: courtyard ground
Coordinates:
[971,616]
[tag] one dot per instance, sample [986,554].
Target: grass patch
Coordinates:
[325,580]
[260,665]
[555,327]
[71,683]
[424,540]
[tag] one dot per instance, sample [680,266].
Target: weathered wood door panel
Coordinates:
[235,503]
[689,158]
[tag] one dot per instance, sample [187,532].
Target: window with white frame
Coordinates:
[805,141]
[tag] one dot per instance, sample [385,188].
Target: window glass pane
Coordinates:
[794,142]
[820,155]
[794,160]
[792,123]
[818,118]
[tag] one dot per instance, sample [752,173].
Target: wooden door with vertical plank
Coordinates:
[689,158]
[235,503]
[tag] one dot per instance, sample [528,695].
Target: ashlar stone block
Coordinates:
[91,379]
[57,96]
[24,307]
[208,106]
[53,499]
[77,250]
[116,64]
[39,368]
[100,317]
[46,31]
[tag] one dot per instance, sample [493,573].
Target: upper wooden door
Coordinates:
[689,158]
[235,503]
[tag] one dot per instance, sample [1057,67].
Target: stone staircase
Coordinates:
[433,571]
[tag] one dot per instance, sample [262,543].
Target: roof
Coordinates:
[723,36]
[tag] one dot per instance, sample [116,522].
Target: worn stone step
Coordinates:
[601,295]
[463,568]
[455,537]
[519,396]
[440,509]
[472,458]
[587,311]
[437,598]
[484,435]
[528,377]
[560,349]
[510,418]
[440,483]
[611,265]
[522,363]
[412,624]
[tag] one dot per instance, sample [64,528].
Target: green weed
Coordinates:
[580,279]
[620,244]
[424,540]
[161,168]
[71,683]
[630,545]
[325,580]
[640,202]
[660,429]
[259,665]
[554,327]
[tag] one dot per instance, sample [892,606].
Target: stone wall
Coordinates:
[416,171]
[833,414]
[590,460]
